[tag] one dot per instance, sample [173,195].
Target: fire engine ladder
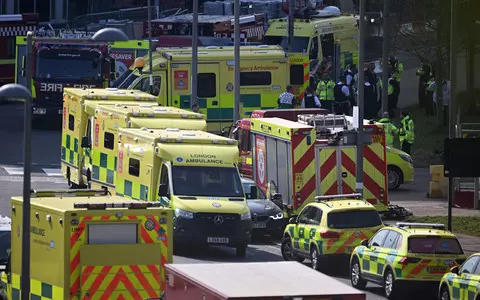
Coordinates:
[468,130]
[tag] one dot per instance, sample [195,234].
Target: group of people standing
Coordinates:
[427,92]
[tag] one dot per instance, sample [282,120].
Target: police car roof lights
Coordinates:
[339,197]
[421,225]
[140,205]
[69,193]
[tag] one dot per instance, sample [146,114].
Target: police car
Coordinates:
[462,282]
[406,255]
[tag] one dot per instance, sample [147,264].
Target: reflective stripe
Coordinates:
[325,90]
[38,289]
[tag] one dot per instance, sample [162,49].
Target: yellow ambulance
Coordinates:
[264,73]
[101,142]
[332,39]
[78,115]
[88,245]
[195,174]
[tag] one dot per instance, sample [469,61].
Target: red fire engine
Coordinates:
[10,27]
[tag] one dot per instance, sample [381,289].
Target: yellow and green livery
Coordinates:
[462,283]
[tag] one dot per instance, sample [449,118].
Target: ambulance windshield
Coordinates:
[56,64]
[300,43]
[125,80]
[206,181]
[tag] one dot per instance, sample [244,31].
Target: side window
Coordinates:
[71,122]
[378,238]
[144,85]
[399,242]
[317,218]
[134,167]
[108,141]
[314,48]
[391,240]
[207,85]
[164,175]
[255,78]
[157,84]
[328,45]
[296,75]
[303,217]
[469,266]
[243,140]
[477,271]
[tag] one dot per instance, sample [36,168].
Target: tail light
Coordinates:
[459,261]
[409,260]
[299,197]
[329,234]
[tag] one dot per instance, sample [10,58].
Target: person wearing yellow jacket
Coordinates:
[407,132]
[392,97]
[325,92]
[390,130]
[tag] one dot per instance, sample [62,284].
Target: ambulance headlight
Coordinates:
[407,158]
[180,213]
[245,216]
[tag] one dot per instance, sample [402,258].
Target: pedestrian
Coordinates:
[390,130]
[341,94]
[325,92]
[423,74]
[446,90]
[429,101]
[195,108]
[397,70]
[407,132]
[372,77]
[351,83]
[286,99]
[370,103]
[310,100]
[391,97]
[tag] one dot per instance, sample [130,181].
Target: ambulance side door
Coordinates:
[208,93]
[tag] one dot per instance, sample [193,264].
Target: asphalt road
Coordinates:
[46,154]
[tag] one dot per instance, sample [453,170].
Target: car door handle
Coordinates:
[214,102]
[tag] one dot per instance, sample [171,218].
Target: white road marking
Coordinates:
[14,171]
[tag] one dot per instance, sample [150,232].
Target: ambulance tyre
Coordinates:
[241,250]
[356,275]
[444,293]
[287,251]
[389,285]
[315,259]
[394,177]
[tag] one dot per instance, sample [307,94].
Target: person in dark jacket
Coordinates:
[370,102]
[310,100]
[341,94]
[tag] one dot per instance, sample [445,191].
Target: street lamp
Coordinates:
[110,35]
[19,92]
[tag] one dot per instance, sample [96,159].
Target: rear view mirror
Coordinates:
[292,220]
[86,142]
[163,190]
[454,270]
[364,243]
[253,192]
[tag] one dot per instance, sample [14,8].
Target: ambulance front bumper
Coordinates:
[206,229]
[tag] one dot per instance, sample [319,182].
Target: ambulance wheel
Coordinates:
[241,250]
[356,275]
[445,293]
[315,259]
[394,177]
[287,251]
[389,285]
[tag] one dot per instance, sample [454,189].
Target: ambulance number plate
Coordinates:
[259,225]
[437,270]
[60,111]
[218,240]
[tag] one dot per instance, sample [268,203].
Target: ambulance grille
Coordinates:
[227,228]
[260,218]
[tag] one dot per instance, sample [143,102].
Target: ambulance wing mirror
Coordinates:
[364,243]
[86,142]
[163,190]
[454,270]
[293,220]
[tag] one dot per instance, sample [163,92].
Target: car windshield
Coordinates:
[353,219]
[125,81]
[122,78]
[260,193]
[300,44]
[61,66]
[5,245]
[206,181]
[434,245]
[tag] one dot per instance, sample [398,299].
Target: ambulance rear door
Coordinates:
[272,166]
[335,169]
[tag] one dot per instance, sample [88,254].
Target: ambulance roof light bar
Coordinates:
[339,197]
[102,206]
[421,225]
[69,193]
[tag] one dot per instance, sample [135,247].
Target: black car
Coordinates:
[267,217]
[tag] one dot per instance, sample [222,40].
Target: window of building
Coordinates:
[296,74]
[206,85]
[134,167]
[255,78]
[71,122]
[108,141]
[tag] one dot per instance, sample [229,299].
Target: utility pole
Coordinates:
[150,50]
[291,24]
[236,84]
[453,94]
[385,57]
[193,76]
[361,95]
